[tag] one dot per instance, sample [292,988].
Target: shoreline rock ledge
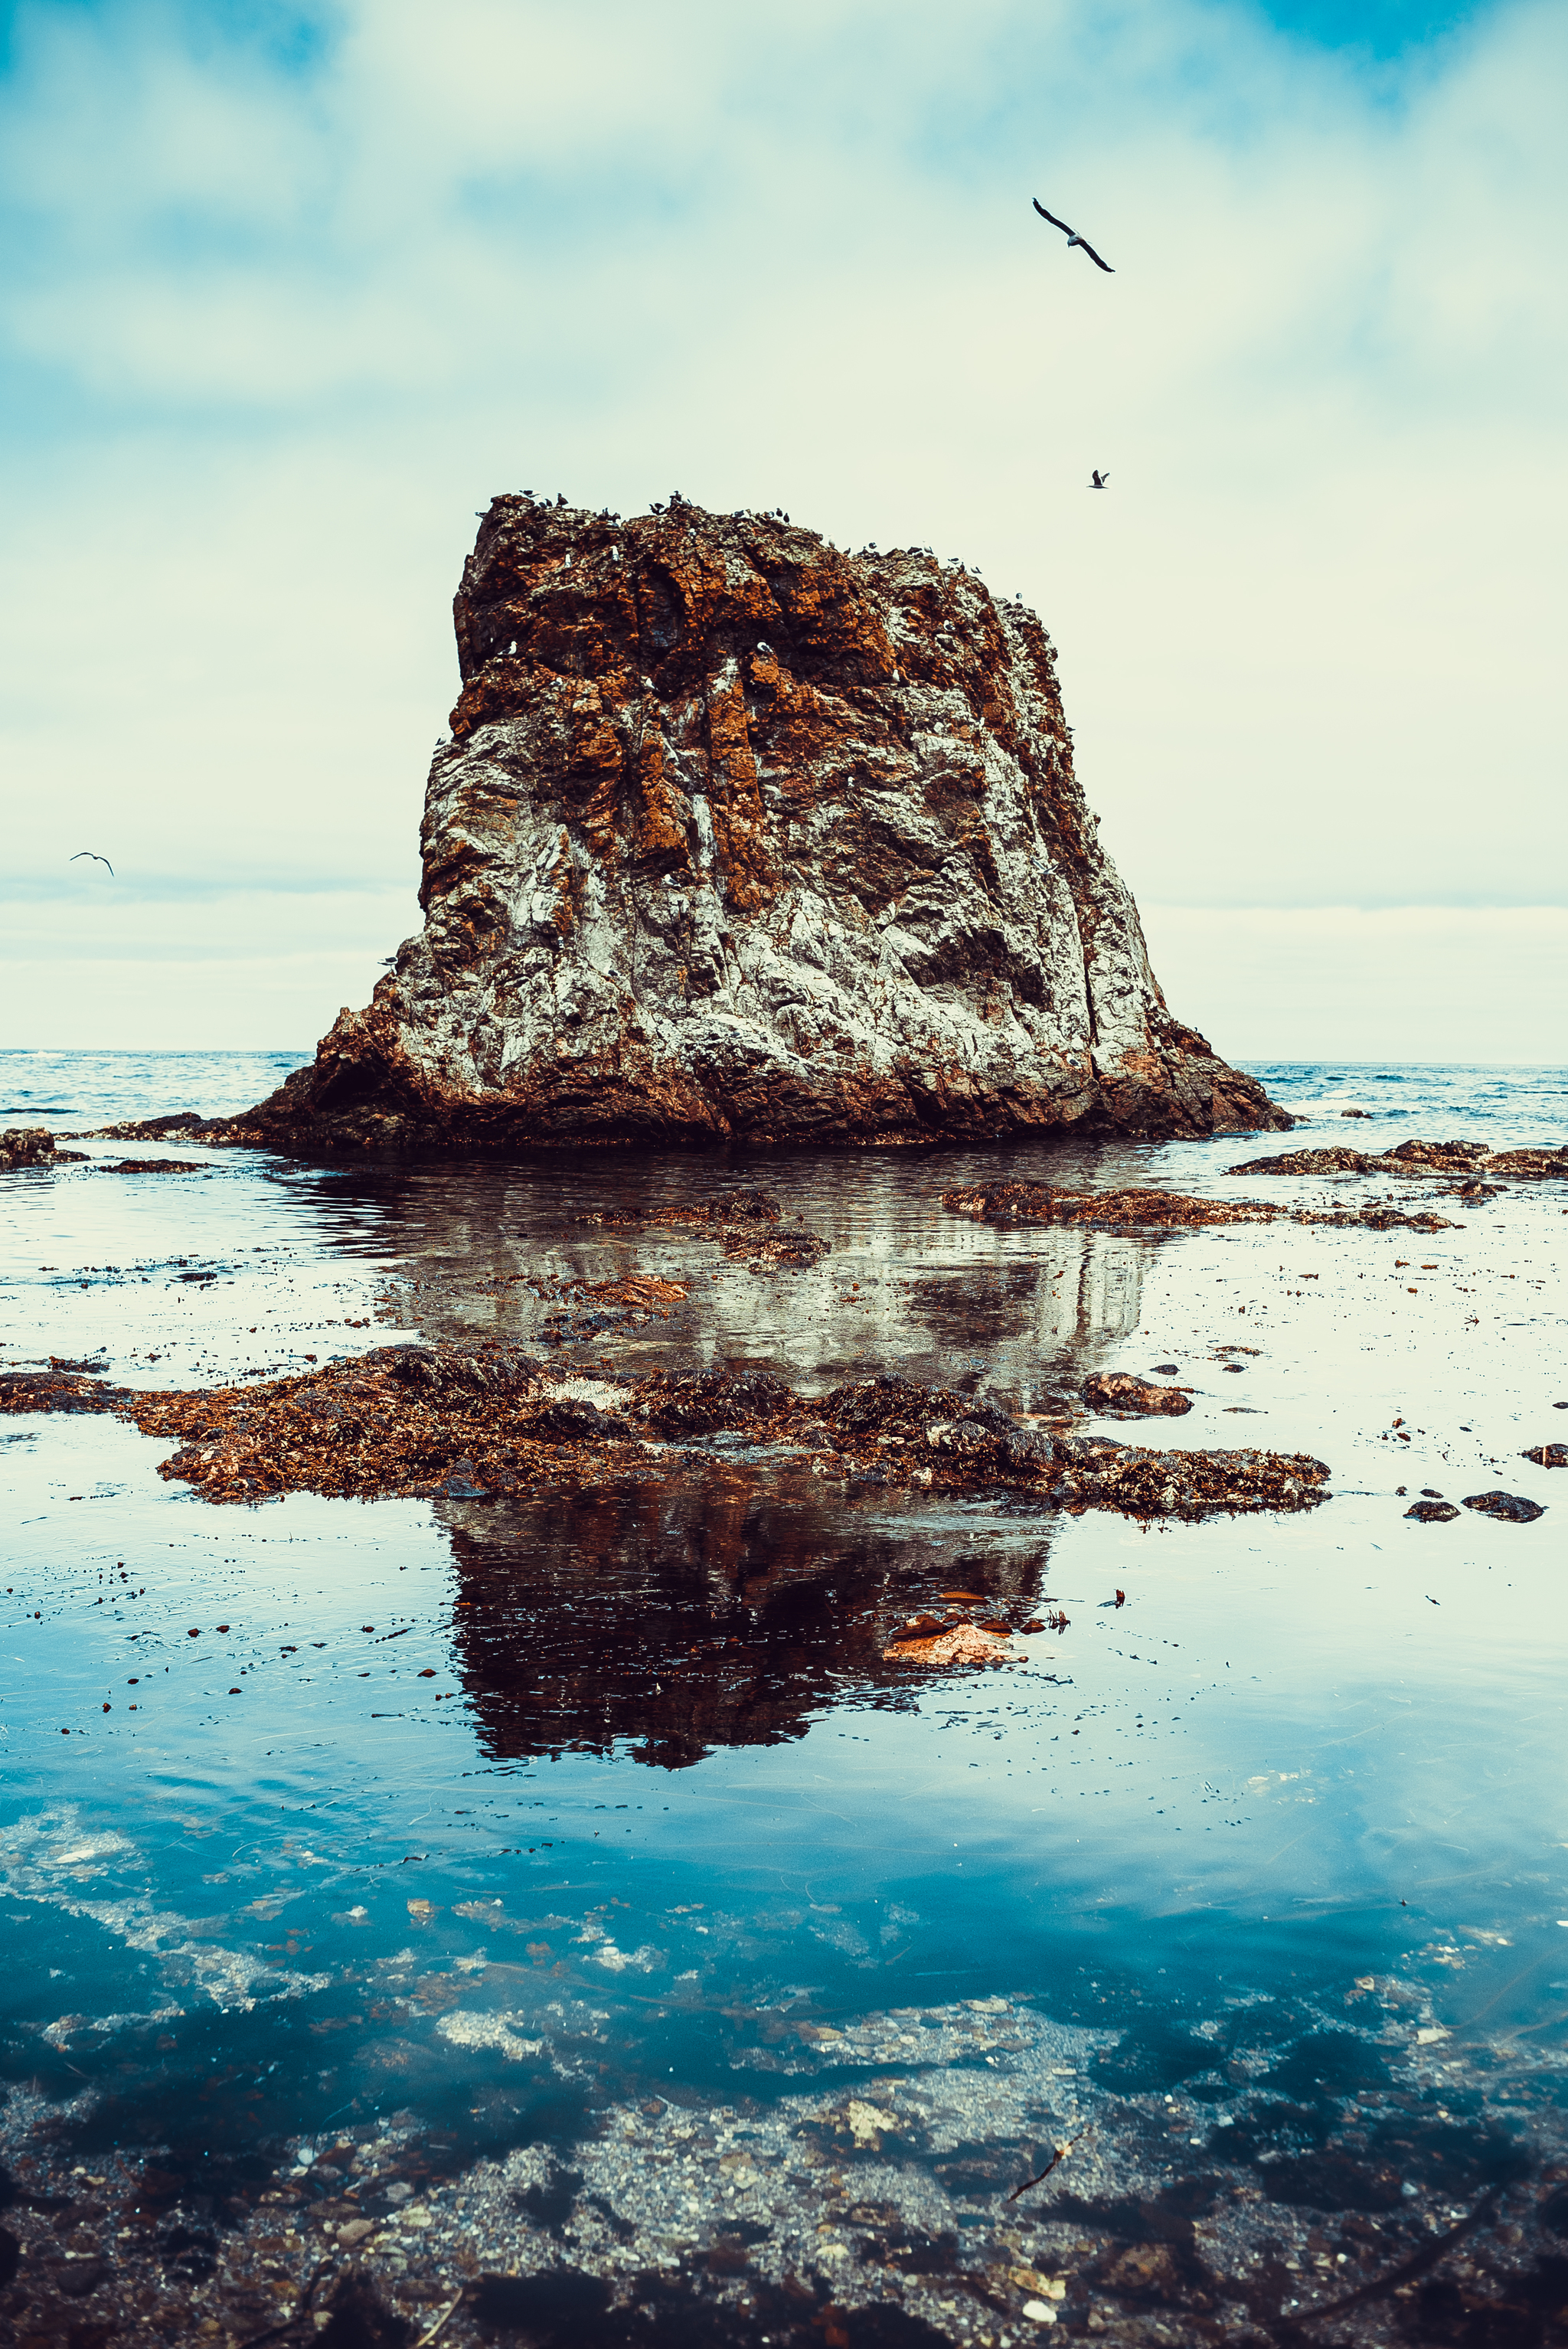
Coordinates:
[739,836]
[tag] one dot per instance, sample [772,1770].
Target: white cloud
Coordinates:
[1421,983]
[278,332]
[242,970]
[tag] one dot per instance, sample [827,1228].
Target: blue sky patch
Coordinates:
[1383,28]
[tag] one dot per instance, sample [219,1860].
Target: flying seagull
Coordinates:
[1099,481]
[1073,238]
[94,858]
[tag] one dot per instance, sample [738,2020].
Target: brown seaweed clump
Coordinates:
[465,1422]
[63,1387]
[1163,1211]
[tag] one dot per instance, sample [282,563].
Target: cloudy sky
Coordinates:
[290,291]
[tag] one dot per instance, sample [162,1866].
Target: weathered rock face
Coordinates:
[739,836]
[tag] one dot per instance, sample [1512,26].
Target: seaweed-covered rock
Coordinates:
[1335,1160]
[1117,1394]
[461,1376]
[1415,1158]
[1446,1157]
[61,1388]
[738,834]
[714,1399]
[1530,1165]
[570,1418]
[368,1427]
[32,1145]
[1025,1201]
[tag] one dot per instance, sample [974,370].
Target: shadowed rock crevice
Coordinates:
[740,836]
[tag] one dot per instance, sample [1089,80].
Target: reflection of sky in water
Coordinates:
[660,1766]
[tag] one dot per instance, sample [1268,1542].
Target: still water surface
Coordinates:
[492,1819]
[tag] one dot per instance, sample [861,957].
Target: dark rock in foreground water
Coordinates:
[1432,1513]
[31,1145]
[738,836]
[1512,1508]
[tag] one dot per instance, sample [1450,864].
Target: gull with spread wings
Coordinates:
[93,858]
[1073,238]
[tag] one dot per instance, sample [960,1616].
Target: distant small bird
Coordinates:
[1099,481]
[1073,238]
[95,859]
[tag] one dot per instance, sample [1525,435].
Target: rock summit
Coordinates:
[741,837]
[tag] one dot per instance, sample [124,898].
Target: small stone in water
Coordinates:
[1512,1508]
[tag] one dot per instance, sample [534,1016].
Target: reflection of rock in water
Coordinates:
[717,1612]
[490,1251]
[1110,1288]
[1048,1310]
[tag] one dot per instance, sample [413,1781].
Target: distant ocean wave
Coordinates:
[1460,1099]
[1468,1099]
[103,1087]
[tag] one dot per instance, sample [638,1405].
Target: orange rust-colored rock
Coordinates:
[738,836]
[966,1643]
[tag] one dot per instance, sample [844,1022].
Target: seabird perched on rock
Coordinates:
[1073,238]
[1098,480]
[96,859]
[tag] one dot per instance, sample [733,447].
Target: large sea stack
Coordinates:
[740,836]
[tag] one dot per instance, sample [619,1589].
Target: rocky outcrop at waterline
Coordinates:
[1416,1160]
[740,836]
[32,1145]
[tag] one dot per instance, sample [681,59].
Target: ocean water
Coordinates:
[585,1865]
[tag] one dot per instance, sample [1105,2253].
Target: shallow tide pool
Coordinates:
[561,1922]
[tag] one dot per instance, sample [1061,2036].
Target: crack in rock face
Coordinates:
[740,836]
